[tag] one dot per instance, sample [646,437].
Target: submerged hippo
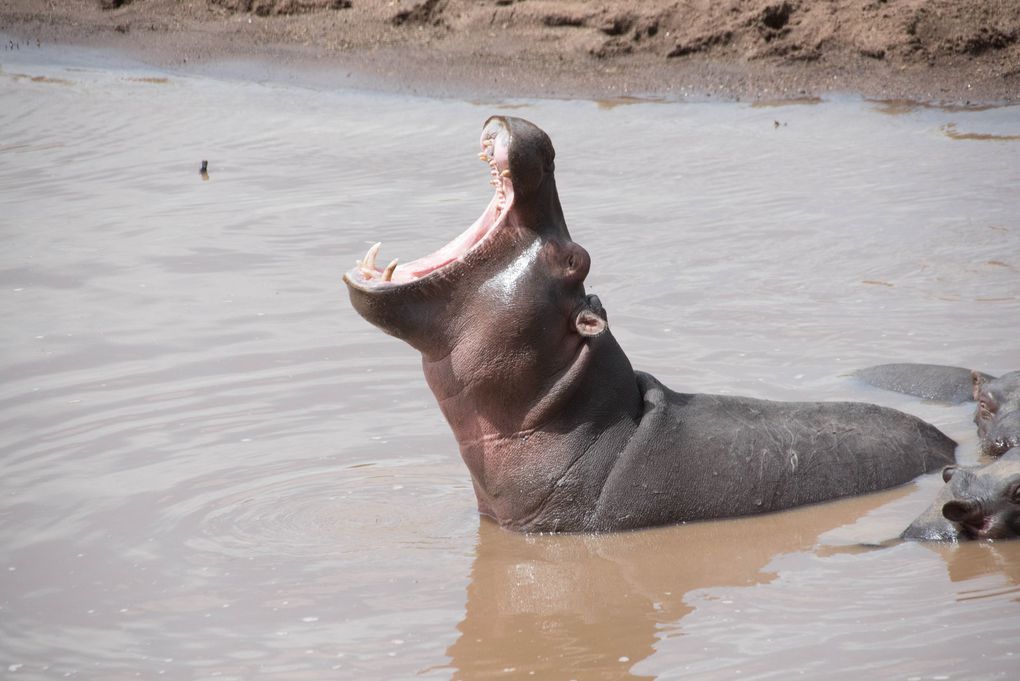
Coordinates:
[977,502]
[559,432]
[998,399]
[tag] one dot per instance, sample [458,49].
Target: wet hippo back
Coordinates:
[697,456]
[928,381]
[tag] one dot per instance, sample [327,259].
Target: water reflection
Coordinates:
[950,131]
[593,607]
[898,107]
[792,101]
[968,562]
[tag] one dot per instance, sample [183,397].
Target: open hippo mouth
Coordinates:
[982,528]
[495,151]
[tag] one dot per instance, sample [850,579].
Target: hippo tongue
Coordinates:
[495,144]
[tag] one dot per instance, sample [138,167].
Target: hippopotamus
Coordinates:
[998,412]
[977,502]
[998,399]
[558,431]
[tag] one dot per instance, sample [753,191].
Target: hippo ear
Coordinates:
[978,380]
[960,510]
[576,262]
[1013,493]
[947,473]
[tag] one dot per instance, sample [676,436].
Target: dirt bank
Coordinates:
[933,50]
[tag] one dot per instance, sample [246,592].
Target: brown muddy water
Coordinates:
[213,468]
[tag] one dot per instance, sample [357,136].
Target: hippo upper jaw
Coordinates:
[408,300]
[391,297]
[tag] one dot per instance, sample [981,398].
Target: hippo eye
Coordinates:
[947,473]
[984,410]
[1013,493]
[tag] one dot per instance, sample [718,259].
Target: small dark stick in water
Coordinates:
[204,170]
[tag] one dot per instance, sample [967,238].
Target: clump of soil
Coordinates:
[265,8]
[422,13]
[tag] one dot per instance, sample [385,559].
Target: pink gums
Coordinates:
[495,147]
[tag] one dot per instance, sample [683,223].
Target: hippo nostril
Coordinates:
[952,510]
[963,511]
[596,305]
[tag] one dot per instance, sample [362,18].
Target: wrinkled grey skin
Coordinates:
[977,502]
[997,415]
[559,432]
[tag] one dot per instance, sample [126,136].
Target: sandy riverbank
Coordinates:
[953,51]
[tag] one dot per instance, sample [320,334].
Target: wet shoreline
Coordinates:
[540,51]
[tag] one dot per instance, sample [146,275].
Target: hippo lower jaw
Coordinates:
[929,531]
[495,145]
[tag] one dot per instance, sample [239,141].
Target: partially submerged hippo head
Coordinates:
[998,411]
[977,502]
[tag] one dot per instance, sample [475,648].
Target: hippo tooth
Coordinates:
[505,173]
[387,274]
[483,157]
[365,272]
[368,263]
